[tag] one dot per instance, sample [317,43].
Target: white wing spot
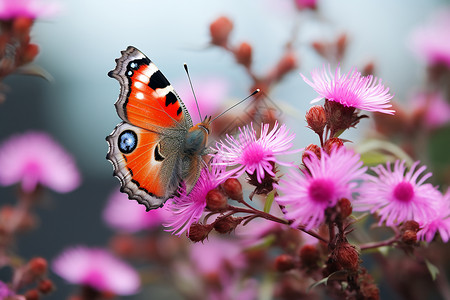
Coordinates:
[140,95]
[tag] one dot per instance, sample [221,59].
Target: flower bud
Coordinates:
[311,149]
[411,225]
[244,54]
[305,4]
[332,143]
[21,26]
[216,200]
[309,256]
[30,53]
[344,207]
[346,256]
[32,295]
[284,262]
[220,30]
[316,119]
[199,232]
[46,286]
[227,224]
[287,63]
[38,266]
[409,237]
[233,188]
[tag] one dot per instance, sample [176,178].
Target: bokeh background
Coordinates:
[78,47]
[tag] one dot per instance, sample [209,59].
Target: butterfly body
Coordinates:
[156,147]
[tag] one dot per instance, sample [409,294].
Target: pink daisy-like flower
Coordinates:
[10,9]
[307,195]
[431,42]
[251,154]
[35,158]
[98,269]
[351,89]
[126,215]
[186,209]
[398,196]
[438,222]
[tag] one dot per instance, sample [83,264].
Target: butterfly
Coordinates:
[155,148]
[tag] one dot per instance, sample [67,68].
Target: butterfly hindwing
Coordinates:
[148,164]
[146,97]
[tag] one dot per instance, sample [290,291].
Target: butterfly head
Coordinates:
[197,137]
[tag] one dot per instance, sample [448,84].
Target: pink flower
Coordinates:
[186,209]
[35,158]
[10,9]
[307,195]
[127,215]
[210,93]
[438,222]
[98,269]
[305,4]
[431,42]
[397,196]
[351,89]
[251,154]
[436,110]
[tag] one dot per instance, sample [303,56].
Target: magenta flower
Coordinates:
[98,269]
[251,154]
[438,222]
[210,95]
[186,209]
[5,291]
[431,42]
[10,9]
[436,110]
[127,215]
[35,158]
[351,89]
[307,195]
[397,196]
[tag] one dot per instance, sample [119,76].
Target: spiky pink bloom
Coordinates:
[10,9]
[307,195]
[35,158]
[127,215]
[351,89]
[398,195]
[438,222]
[186,209]
[249,153]
[431,42]
[98,269]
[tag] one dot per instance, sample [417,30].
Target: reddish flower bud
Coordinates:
[216,200]
[311,148]
[344,208]
[346,256]
[244,54]
[341,46]
[287,63]
[409,237]
[332,143]
[226,225]
[320,48]
[233,188]
[124,245]
[30,53]
[368,69]
[316,119]
[309,256]
[38,266]
[220,30]
[305,4]
[284,262]
[46,286]
[21,26]
[411,225]
[32,295]
[199,232]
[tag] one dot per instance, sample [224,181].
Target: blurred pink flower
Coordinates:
[249,153]
[10,9]
[5,291]
[235,287]
[186,209]
[436,109]
[308,194]
[351,89]
[210,93]
[305,4]
[438,222]
[212,257]
[398,196]
[35,158]
[98,269]
[431,42]
[127,215]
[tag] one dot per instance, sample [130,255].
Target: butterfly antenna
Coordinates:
[192,88]
[233,106]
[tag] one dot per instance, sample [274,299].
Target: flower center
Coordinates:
[252,154]
[321,190]
[404,191]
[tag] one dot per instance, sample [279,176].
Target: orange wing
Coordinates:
[146,98]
